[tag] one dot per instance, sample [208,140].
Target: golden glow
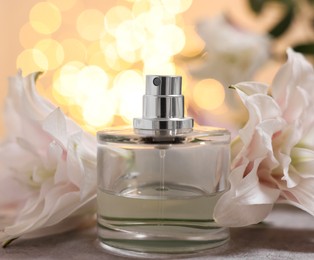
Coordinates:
[128,56]
[158,51]
[113,59]
[96,60]
[62,100]
[45,18]
[70,16]
[93,48]
[129,90]
[140,6]
[130,36]
[84,86]
[99,59]
[92,81]
[170,39]
[89,24]
[106,39]
[97,101]
[154,66]
[73,50]
[31,60]
[176,6]
[65,80]
[53,51]
[63,5]
[115,16]
[155,18]
[77,114]
[99,110]
[28,36]
[209,94]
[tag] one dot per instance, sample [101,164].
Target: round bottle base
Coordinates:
[168,253]
[163,247]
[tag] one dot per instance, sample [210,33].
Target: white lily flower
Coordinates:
[48,166]
[233,54]
[275,161]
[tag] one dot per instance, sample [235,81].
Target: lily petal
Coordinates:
[247,202]
[55,125]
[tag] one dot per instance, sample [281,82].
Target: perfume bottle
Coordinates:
[159,181]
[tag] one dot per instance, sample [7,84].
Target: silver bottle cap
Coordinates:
[163,105]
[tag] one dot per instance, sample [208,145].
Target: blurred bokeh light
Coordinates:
[97,61]
[95,54]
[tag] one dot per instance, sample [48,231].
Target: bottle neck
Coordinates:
[162,132]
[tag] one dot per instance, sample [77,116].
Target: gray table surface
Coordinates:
[288,233]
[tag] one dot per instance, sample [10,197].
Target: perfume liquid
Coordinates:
[159,182]
[159,197]
[165,224]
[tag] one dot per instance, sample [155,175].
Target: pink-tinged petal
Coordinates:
[263,106]
[13,192]
[247,202]
[61,171]
[24,144]
[35,203]
[74,165]
[71,204]
[12,120]
[19,126]
[87,154]
[268,168]
[36,102]
[39,206]
[60,203]
[298,102]
[10,153]
[260,107]
[291,74]
[26,99]
[76,220]
[263,138]
[57,196]
[89,181]
[53,155]
[236,214]
[55,125]
[302,195]
[25,225]
[56,169]
[284,140]
[251,191]
[32,131]
[289,174]
[57,163]
[81,162]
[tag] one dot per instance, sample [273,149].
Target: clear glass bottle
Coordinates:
[158,183]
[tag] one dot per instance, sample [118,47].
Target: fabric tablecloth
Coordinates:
[287,233]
